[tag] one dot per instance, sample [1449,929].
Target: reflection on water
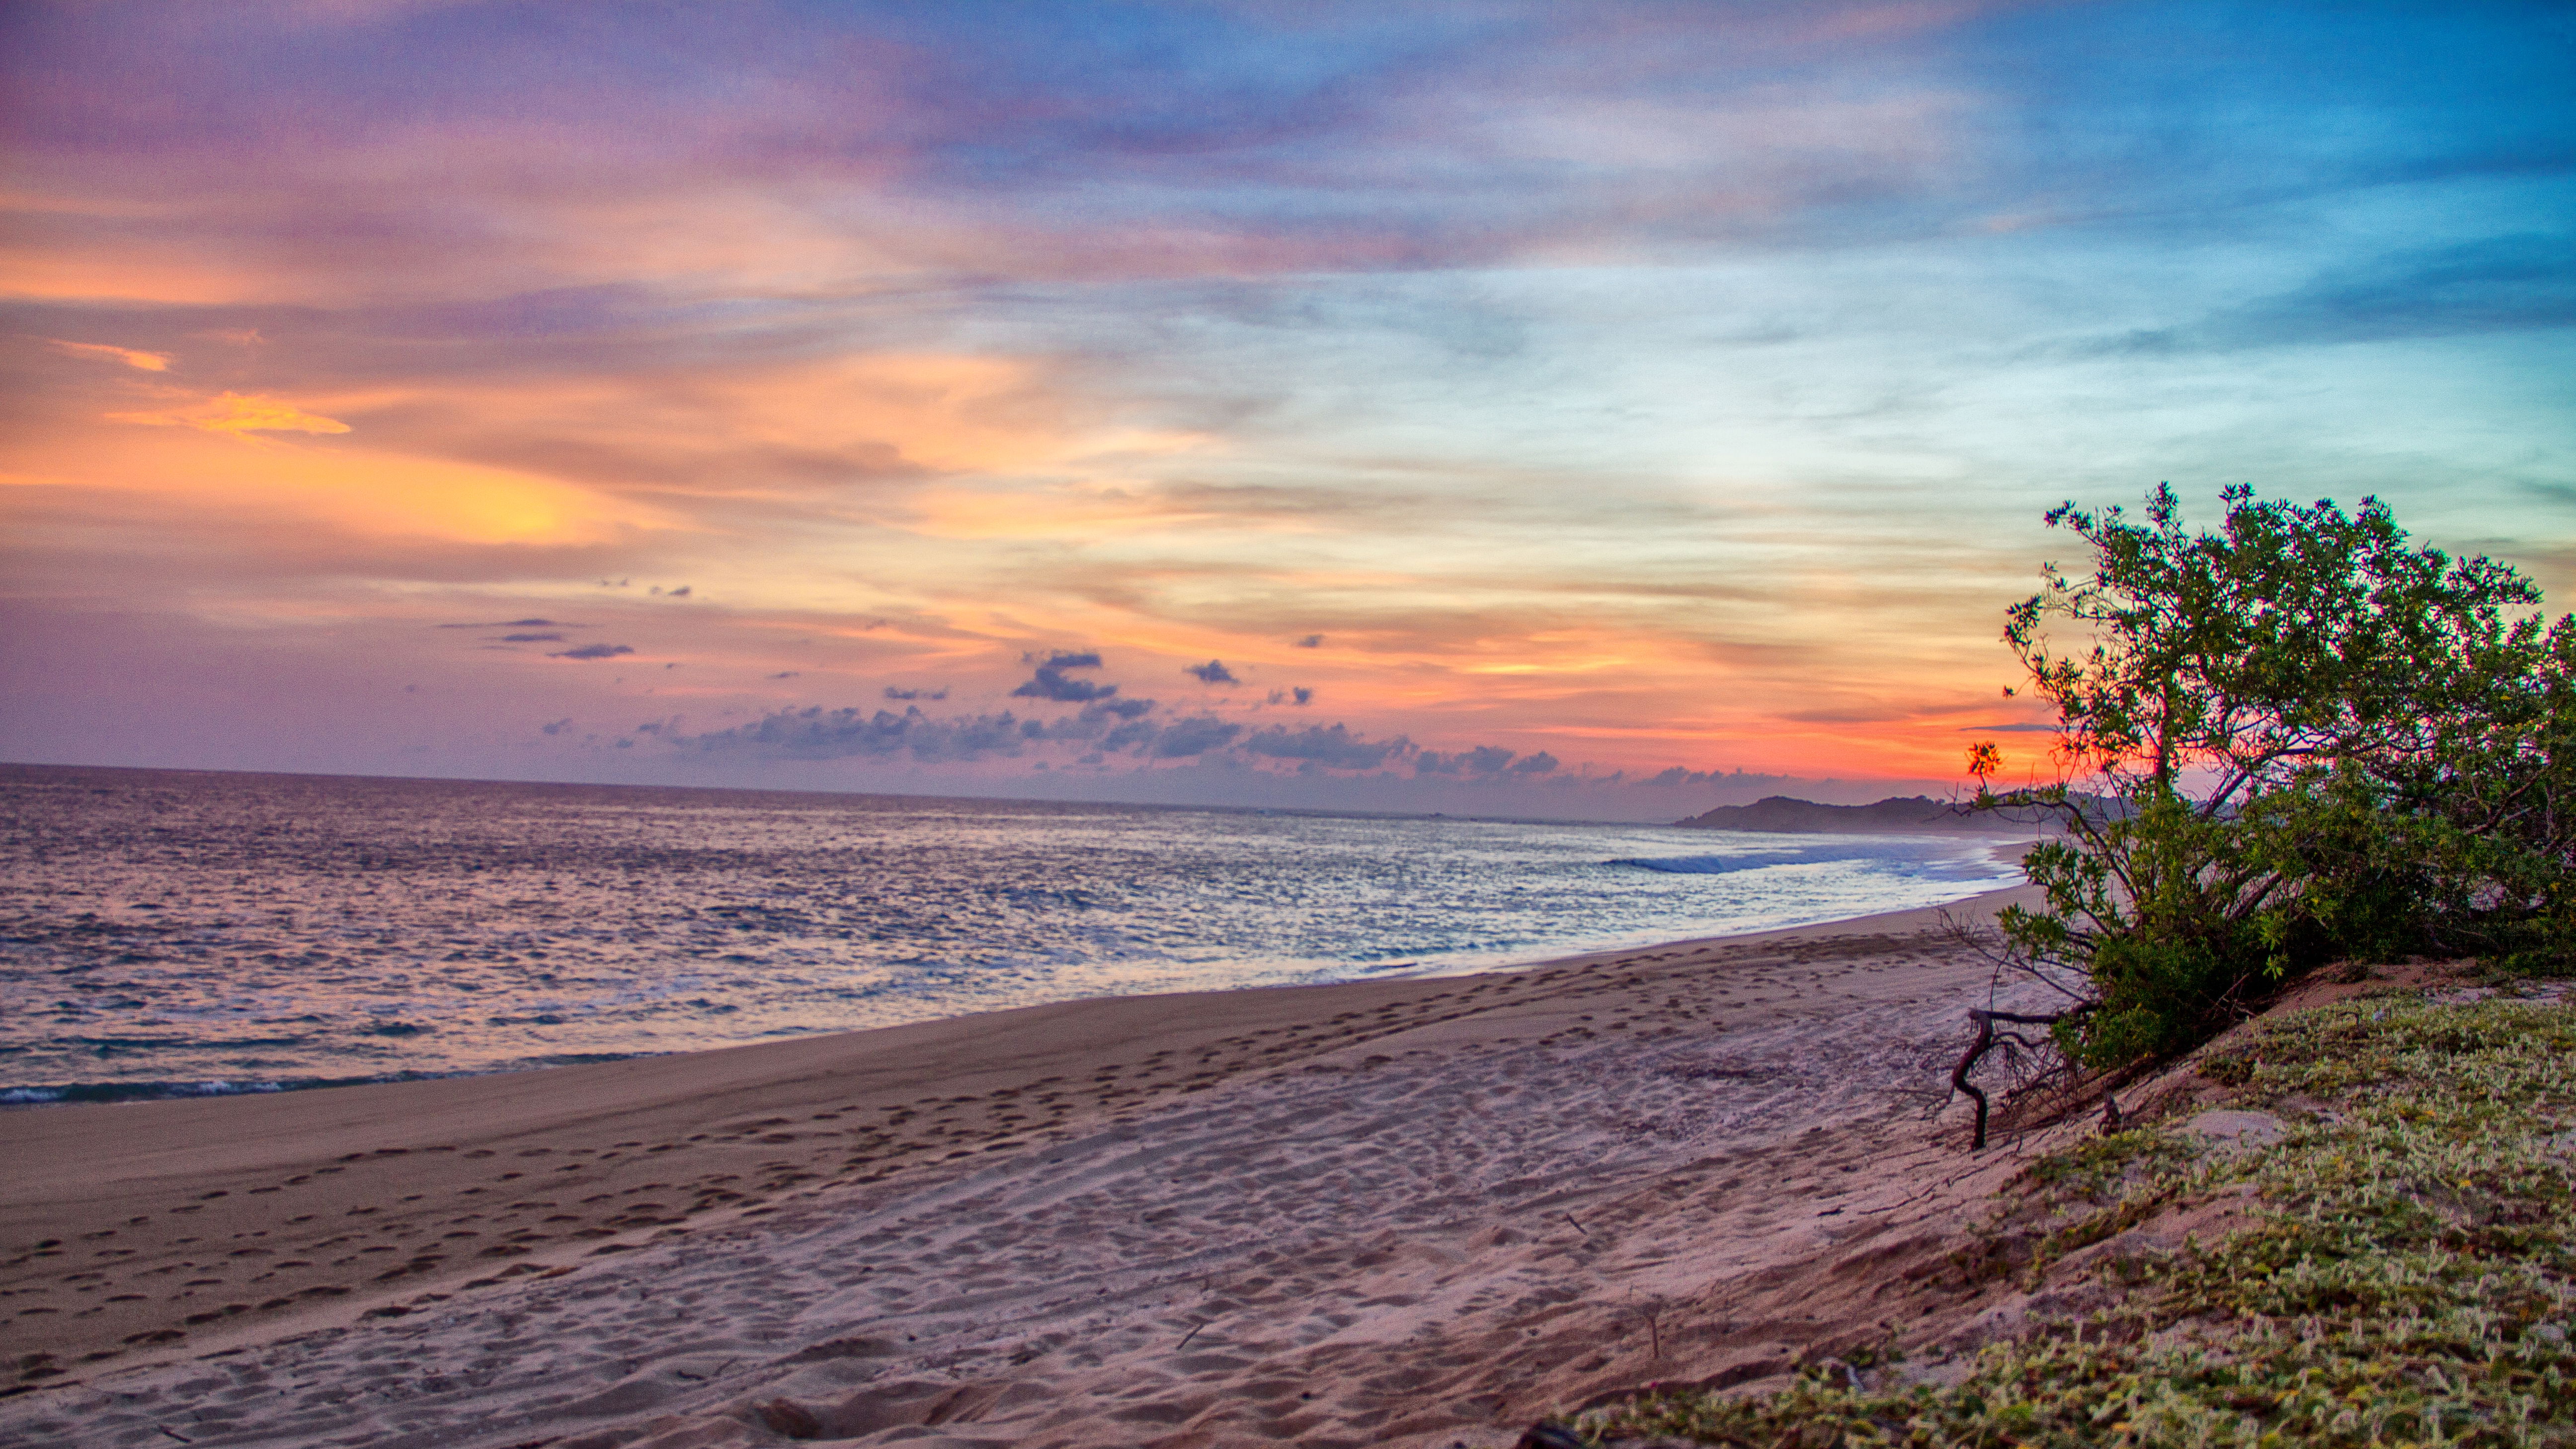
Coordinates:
[166,931]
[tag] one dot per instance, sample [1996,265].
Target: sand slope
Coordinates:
[1408,1212]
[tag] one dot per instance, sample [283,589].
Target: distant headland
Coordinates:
[1908,814]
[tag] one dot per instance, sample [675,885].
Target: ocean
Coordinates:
[175,933]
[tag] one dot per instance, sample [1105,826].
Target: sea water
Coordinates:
[172,933]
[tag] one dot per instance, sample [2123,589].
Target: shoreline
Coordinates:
[214,1225]
[20,1098]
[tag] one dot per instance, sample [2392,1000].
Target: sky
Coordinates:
[1600,411]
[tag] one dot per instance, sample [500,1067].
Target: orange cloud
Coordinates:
[238,415]
[143,361]
[298,490]
[948,412]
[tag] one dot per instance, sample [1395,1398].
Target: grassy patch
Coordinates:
[2406,1274]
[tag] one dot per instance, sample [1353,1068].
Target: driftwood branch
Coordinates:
[1986,1039]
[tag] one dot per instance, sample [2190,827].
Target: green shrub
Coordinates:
[2298,738]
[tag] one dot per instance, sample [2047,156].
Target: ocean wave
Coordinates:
[1730,864]
[78,1092]
[90,1093]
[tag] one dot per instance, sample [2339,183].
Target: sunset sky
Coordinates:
[1590,410]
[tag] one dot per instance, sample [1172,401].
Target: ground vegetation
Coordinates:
[2396,1265]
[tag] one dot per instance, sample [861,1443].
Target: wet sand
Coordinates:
[1403,1211]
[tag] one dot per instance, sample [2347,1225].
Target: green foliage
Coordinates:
[2409,1275]
[2297,738]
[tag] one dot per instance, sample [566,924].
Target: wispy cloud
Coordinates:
[236,415]
[2518,283]
[100,351]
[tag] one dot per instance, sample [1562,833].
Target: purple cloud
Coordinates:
[1051,683]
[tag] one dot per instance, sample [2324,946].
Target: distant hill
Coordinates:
[1909,814]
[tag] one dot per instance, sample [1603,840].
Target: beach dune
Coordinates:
[1417,1211]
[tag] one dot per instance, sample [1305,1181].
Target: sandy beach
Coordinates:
[1416,1212]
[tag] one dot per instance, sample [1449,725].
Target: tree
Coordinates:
[2293,738]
